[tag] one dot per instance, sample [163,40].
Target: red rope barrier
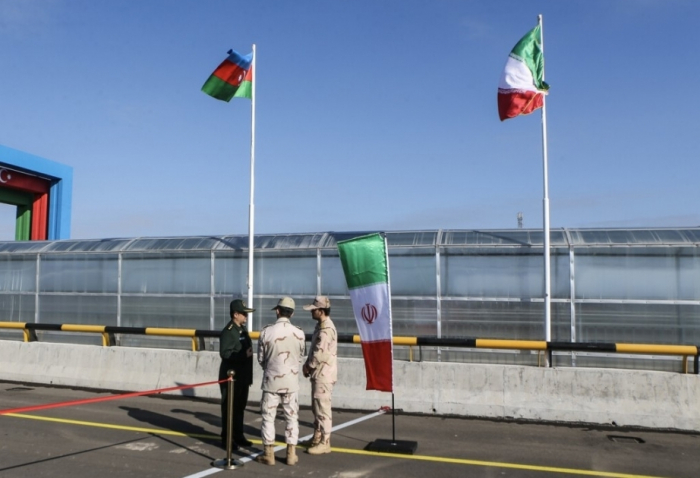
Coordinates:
[104,399]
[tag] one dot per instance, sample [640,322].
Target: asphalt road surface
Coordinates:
[153,436]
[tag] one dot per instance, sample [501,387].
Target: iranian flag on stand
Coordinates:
[522,88]
[366,266]
[233,78]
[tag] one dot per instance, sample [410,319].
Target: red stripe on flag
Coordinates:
[516,103]
[249,74]
[230,73]
[378,365]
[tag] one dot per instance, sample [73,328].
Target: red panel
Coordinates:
[378,365]
[40,218]
[24,182]
[230,73]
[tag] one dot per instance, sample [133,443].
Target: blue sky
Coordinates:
[371,115]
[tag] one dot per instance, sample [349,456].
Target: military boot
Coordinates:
[292,458]
[315,440]
[324,446]
[267,458]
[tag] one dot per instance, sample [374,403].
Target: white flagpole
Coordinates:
[251,209]
[545,207]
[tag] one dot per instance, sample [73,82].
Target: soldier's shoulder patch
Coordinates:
[230,326]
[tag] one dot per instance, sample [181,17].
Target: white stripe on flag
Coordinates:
[516,76]
[372,312]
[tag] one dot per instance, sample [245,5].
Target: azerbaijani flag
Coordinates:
[366,267]
[233,78]
[522,88]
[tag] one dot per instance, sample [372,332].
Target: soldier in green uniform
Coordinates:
[236,351]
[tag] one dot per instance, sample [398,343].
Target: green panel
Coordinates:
[16,198]
[23,201]
[364,261]
[23,226]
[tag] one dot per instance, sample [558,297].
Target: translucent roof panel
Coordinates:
[659,237]
[335,237]
[22,246]
[394,239]
[172,244]
[97,245]
[420,238]
[506,237]
[289,241]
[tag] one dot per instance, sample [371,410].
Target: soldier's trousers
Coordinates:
[268,410]
[240,401]
[321,407]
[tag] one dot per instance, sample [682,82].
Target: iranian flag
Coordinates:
[366,267]
[522,88]
[233,78]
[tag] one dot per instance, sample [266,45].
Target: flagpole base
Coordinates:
[225,464]
[403,447]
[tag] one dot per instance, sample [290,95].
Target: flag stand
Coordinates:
[403,447]
[251,206]
[228,463]
[365,261]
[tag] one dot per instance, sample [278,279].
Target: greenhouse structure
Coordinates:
[607,285]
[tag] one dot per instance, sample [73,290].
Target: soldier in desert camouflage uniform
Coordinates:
[280,349]
[322,367]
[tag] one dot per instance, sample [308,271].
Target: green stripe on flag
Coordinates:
[529,51]
[245,90]
[219,89]
[364,261]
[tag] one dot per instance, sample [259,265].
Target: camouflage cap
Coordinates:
[287,302]
[320,302]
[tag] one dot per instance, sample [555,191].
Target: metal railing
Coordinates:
[540,346]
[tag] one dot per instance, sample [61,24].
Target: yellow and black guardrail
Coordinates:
[197,336]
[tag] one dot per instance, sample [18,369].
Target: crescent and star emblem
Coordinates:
[7,175]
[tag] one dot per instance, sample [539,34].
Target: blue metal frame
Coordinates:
[61,194]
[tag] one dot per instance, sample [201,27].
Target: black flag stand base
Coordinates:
[402,447]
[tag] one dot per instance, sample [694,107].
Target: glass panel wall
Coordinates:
[165,311]
[78,309]
[631,273]
[17,307]
[413,318]
[493,319]
[412,272]
[230,272]
[640,286]
[17,273]
[290,273]
[332,276]
[478,274]
[638,323]
[166,273]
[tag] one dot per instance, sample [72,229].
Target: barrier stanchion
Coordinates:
[227,463]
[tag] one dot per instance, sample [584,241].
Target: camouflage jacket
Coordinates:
[323,355]
[280,348]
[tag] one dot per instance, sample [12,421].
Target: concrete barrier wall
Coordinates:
[576,395]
